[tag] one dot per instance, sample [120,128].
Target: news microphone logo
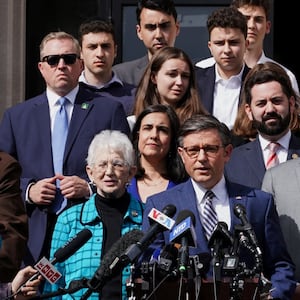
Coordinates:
[186,226]
[161,218]
[48,271]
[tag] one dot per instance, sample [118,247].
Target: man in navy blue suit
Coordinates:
[26,133]
[270,103]
[205,147]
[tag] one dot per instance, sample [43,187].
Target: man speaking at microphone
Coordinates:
[204,145]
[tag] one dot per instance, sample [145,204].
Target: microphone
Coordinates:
[167,260]
[71,246]
[240,212]
[200,263]
[64,252]
[105,270]
[162,221]
[221,235]
[184,234]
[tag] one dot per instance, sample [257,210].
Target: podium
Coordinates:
[170,290]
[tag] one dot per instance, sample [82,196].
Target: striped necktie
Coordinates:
[272,160]
[210,219]
[59,137]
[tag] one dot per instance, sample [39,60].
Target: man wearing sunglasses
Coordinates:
[28,131]
[204,145]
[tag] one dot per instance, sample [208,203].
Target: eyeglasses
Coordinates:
[209,150]
[116,164]
[53,60]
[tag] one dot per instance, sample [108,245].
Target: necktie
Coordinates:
[59,137]
[272,157]
[210,218]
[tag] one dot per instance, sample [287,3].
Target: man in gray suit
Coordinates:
[283,181]
[157,27]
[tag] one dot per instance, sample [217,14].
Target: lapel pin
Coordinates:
[84,105]
[134,213]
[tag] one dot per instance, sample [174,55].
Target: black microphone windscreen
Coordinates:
[201,263]
[169,210]
[221,235]
[72,245]
[118,248]
[182,215]
[239,210]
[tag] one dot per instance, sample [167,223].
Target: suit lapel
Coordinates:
[245,72]
[208,91]
[236,195]
[294,148]
[82,107]
[188,193]
[43,126]
[254,158]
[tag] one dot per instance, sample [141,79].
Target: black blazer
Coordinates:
[246,164]
[205,79]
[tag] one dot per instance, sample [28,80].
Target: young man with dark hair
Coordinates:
[157,27]
[98,51]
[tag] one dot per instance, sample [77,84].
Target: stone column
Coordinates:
[12,52]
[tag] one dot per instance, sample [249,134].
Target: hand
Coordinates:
[73,187]
[31,288]
[43,191]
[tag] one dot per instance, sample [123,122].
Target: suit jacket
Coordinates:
[25,133]
[124,93]
[283,181]
[246,165]
[13,218]
[205,78]
[131,71]
[261,213]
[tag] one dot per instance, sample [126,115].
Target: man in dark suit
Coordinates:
[157,27]
[13,218]
[205,148]
[27,133]
[270,102]
[219,85]
[98,51]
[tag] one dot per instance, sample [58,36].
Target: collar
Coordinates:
[115,79]
[284,141]
[53,97]
[262,58]
[219,190]
[235,78]
[89,213]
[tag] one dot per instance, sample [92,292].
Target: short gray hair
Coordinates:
[59,35]
[108,140]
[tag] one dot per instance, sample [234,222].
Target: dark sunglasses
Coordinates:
[53,60]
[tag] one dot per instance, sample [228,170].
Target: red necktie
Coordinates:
[272,158]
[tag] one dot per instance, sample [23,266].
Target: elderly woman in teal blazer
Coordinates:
[109,213]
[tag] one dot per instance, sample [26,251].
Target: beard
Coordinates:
[278,126]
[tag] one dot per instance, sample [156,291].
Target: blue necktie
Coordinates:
[210,218]
[59,137]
